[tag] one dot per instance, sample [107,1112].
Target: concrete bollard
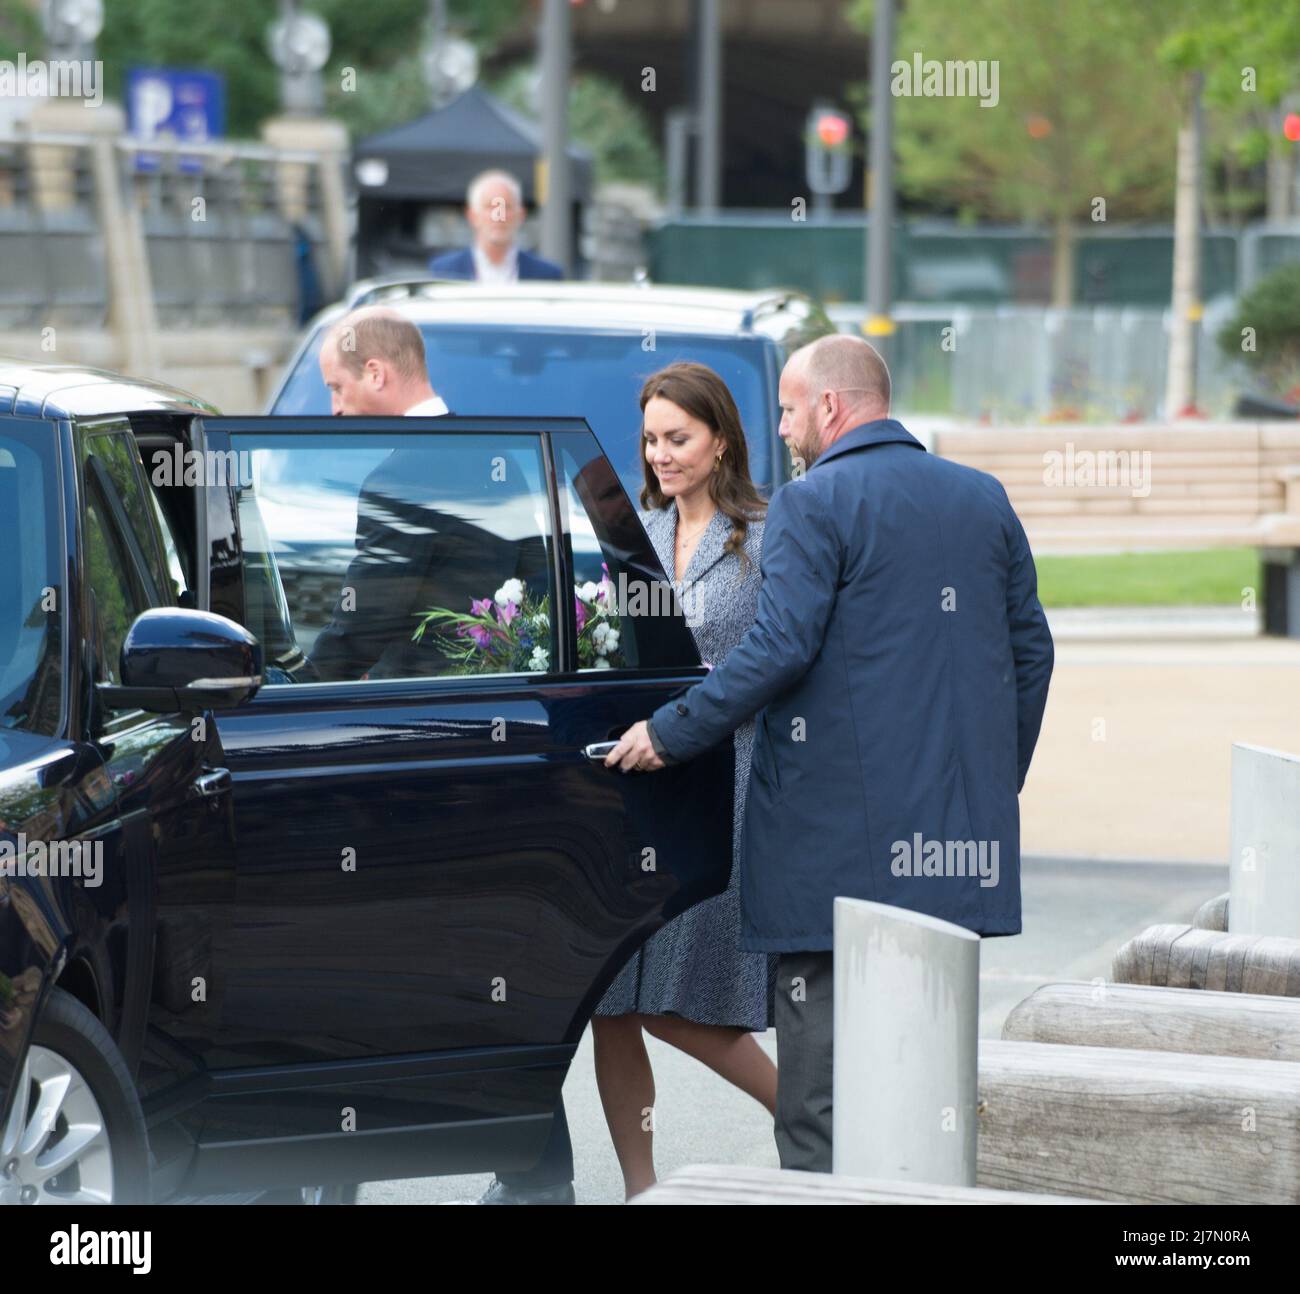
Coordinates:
[1264,876]
[906,1045]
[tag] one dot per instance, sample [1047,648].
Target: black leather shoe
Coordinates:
[500,1193]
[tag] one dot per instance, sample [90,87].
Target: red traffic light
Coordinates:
[832,129]
[1291,126]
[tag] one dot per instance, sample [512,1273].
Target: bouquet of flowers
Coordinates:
[510,632]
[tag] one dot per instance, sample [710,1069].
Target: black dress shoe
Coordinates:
[500,1193]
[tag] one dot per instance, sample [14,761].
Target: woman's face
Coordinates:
[680,449]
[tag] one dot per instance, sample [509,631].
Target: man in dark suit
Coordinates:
[900,659]
[494,208]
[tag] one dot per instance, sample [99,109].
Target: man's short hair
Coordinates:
[379,332]
[484,178]
[842,362]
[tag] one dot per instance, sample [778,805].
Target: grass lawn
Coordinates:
[1206,577]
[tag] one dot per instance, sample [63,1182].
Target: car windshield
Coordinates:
[31,583]
[569,373]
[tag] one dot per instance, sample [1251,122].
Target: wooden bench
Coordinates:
[1084,488]
[743,1184]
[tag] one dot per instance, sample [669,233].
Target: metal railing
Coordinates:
[1028,363]
[223,229]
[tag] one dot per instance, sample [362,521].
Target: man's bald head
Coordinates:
[852,365]
[373,362]
[827,388]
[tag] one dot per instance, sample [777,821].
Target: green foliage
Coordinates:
[380,40]
[602,118]
[1083,73]
[20,30]
[1271,309]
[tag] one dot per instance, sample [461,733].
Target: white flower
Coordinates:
[540,659]
[510,591]
[588,591]
[611,642]
[599,634]
[542,620]
[602,663]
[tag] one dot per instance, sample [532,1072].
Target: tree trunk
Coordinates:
[1281,166]
[1063,262]
[1180,388]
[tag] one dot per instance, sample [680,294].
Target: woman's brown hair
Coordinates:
[700,392]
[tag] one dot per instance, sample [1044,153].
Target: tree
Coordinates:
[1225,49]
[601,118]
[1083,111]
[379,39]
[1265,331]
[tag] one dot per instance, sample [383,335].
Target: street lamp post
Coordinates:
[880,228]
[554,191]
[708,98]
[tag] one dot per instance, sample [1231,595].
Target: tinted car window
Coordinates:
[401,556]
[31,587]
[127,495]
[116,594]
[626,615]
[545,372]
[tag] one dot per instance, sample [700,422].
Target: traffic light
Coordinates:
[828,153]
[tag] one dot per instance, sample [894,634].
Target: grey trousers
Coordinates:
[804,1036]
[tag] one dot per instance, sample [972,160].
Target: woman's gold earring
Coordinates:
[717,462]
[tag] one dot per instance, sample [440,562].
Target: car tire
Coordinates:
[109,1160]
[341,1194]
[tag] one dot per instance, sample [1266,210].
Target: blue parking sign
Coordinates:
[177,104]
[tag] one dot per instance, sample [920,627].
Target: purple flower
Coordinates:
[480,635]
[508,612]
[481,606]
[581,609]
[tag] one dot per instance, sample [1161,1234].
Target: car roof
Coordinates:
[35,390]
[615,307]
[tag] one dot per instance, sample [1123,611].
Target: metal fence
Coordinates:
[1026,363]
[941,261]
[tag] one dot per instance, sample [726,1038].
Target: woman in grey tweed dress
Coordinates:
[690,984]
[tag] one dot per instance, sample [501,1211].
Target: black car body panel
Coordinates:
[342,932]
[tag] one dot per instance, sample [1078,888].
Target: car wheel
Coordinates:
[346,1194]
[75,1133]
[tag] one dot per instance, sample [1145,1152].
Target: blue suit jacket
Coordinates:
[900,658]
[460,265]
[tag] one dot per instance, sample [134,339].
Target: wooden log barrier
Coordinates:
[1144,1126]
[1140,1017]
[1172,956]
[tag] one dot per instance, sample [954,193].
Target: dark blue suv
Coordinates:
[310,870]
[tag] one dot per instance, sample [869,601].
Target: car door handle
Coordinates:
[597,751]
[216,781]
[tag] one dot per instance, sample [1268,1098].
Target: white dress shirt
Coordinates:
[506,272]
[434,408]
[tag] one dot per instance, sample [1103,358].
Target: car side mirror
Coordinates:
[175,658]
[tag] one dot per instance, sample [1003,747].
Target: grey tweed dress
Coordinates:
[693,966]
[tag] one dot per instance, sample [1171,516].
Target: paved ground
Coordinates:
[1135,754]
[1133,764]
[1075,916]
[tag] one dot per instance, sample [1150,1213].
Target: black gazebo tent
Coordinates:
[428,163]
